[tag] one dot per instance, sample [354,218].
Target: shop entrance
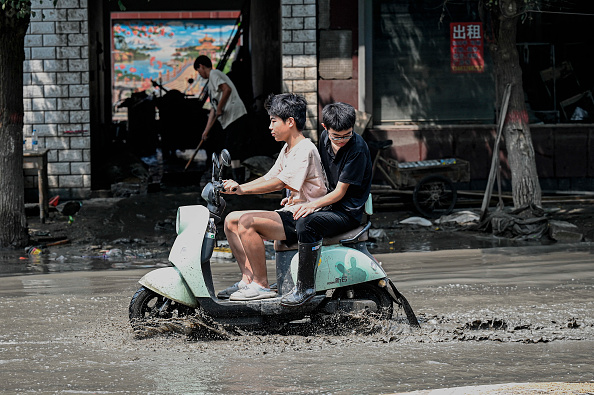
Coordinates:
[145,108]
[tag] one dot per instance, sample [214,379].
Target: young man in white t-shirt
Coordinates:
[227,108]
[298,168]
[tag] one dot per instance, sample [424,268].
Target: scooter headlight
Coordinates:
[208,192]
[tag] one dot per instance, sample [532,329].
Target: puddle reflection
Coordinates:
[19,262]
[15,263]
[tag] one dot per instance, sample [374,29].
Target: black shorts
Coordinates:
[289,225]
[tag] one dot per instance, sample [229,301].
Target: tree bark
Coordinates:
[518,139]
[13,221]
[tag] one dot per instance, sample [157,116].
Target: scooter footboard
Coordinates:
[168,282]
[341,266]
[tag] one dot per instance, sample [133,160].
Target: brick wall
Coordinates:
[56,94]
[299,59]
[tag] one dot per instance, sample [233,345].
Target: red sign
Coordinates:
[466,47]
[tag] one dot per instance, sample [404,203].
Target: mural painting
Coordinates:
[155,56]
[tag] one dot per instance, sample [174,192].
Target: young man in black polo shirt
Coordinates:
[347,162]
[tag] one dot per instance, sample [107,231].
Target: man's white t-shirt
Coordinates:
[301,170]
[234,108]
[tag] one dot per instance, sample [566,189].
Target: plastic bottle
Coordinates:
[34,144]
[210,242]
[33,250]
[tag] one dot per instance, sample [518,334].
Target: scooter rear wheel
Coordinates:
[379,295]
[146,305]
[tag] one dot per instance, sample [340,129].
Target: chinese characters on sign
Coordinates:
[466,47]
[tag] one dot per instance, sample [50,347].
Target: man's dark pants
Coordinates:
[322,224]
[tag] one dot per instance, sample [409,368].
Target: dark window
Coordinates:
[412,77]
[555,48]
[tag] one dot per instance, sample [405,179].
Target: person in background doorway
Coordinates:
[228,109]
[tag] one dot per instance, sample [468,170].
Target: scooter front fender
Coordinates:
[186,252]
[168,282]
[341,266]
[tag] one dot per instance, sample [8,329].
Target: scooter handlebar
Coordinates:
[212,191]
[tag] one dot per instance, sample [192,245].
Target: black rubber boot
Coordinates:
[238,174]
[305,289]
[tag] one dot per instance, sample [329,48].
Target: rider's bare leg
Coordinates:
[253,228]
[232,233]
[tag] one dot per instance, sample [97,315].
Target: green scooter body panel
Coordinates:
[168,282]
[186,252]
[341,266]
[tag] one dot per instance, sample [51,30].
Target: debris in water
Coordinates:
[416,221]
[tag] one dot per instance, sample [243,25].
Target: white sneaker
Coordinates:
[224,294]
[252,291]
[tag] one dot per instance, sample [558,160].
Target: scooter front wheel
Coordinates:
[147,304]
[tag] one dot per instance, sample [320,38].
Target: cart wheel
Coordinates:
[434,196]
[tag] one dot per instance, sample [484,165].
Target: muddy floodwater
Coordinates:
[500,315]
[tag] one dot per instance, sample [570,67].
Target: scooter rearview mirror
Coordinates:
[226,158]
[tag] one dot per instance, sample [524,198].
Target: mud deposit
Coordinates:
[138,231]
[503,315]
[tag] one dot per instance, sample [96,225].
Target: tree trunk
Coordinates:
[516,131]
[13,222]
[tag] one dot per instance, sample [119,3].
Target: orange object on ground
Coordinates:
[54,201]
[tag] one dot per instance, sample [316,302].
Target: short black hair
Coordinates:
[339,116]
[204,60]
[288,105]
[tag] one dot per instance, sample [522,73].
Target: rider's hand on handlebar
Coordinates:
[231,187]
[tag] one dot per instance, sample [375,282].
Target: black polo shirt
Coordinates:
[351,165]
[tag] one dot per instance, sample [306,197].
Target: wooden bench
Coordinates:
[37,160]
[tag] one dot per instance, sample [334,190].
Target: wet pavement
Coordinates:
[138,231]
[488,316]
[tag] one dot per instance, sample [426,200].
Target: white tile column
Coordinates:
[299,56]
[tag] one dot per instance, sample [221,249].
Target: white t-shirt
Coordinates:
[234,108]
[301,169]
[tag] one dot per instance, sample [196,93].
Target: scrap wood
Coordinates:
[495,157]
[56,243]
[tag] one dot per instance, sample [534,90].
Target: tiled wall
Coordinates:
[56,94]
[299,59]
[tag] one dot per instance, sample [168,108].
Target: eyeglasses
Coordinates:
[348,136]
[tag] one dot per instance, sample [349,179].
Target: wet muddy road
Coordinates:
[488,316]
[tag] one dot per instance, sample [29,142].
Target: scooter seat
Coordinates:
[280,245]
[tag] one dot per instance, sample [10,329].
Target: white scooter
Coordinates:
[348,277]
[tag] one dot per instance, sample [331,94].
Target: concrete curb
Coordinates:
[511,389]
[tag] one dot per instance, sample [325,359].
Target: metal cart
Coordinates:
[431,182]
